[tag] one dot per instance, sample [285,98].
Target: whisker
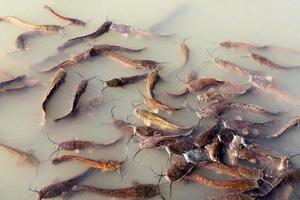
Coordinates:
[136,153]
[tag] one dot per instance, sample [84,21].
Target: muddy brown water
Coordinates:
[204,22]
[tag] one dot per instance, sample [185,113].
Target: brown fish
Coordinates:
[214,110]
[65,19]
[238,185]
[137,64]
[241,148]
[163,141]
[157,105]
[102,165]
[57,80]
[181,147]
[262,61]
[61,188]
[125,127]
[238,45]
[76,145]
[217,96]
[206,83]
[270,88]
[144,132]
[104,28]
[235,196]
[123,81]
[232,45]
[284,174]
[152,119]
[108,47]
[231,170]
[72,60]
[23,157]
[139,191]
[41,28]
[177,171]
[291,123]
[230,67]
[246,128]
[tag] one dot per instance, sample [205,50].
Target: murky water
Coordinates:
[203,22]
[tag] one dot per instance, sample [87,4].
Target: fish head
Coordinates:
[107,24]
[113,165]
[178,169]
[116,82]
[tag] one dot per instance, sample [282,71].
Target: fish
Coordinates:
[57,80]
[102,165]
[61,188]
[40,27]
[138,191]
[262,61]
[104,28]
[152,119]
[136,64]
[23,157]
[72,21]
[291,123]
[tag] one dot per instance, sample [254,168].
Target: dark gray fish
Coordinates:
[104,28]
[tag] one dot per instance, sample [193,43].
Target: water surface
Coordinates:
[203,22]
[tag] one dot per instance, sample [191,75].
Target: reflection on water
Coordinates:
[204,22]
